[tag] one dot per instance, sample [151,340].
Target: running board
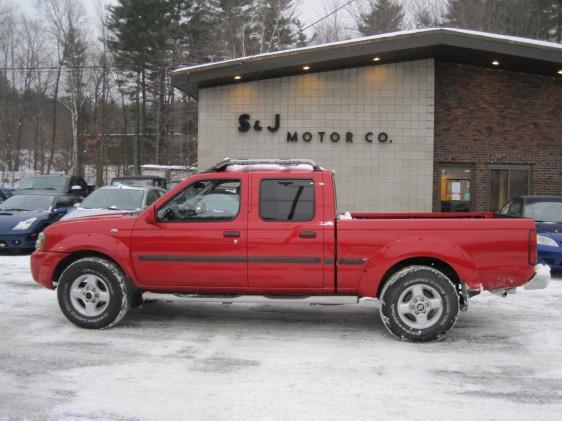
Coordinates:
[255,299]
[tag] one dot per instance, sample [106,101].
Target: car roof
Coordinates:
[139,177]
[539,198]
[40,192]
[125,187]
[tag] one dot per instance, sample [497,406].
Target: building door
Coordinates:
[507,182]
[456,188]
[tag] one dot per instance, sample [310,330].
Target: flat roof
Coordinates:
[444,44]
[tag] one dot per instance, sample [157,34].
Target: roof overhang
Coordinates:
[443,44]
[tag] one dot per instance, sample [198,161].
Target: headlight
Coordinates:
[40,243]
[24,225]
[546,241]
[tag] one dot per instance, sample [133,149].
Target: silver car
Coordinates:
[116,199]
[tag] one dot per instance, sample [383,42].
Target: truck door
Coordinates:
[286,232]
[199,239]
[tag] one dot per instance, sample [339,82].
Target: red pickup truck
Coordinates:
[270,228]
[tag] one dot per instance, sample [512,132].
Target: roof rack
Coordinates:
[225,163]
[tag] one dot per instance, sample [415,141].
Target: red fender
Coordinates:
[417,247]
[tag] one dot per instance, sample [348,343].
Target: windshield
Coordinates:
[134,182]
[117,199]
[22,202]
[45,183]
[544,211]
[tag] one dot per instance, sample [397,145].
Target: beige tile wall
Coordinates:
[395,98]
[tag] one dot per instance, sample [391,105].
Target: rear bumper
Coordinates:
[540,279]
[43,265]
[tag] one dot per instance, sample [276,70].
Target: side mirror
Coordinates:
[150,215]
[76,188]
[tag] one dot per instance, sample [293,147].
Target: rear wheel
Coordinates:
[92,293]
[419,303]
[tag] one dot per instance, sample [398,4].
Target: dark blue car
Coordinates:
[5,193]
[547,213]
[25,214]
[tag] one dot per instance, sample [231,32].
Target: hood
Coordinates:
[82,213]
[8,220]
[552,229]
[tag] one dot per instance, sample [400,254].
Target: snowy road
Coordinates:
[167,361]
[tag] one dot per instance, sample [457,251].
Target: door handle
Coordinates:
[307,234]
[231,234]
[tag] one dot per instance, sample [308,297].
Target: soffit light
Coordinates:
[306,67]
[377,59]
[495,63]
[559,72]
[237,77]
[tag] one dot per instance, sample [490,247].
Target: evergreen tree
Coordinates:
[381,16]
[276,25]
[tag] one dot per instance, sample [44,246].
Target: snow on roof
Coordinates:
[390,35]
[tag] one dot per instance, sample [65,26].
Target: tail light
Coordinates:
[532,247]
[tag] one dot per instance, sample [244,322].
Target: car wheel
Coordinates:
[92,293]
[419,304]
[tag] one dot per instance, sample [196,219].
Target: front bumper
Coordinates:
[540,279]
[43,265]
[24,241]
[552,256]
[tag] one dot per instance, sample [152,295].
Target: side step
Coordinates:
[255,299]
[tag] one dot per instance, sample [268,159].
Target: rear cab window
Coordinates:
[287,200]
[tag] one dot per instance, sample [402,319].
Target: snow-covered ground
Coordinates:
[200,361]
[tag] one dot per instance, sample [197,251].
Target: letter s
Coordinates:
[244,121]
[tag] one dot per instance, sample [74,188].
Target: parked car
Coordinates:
[140,181]
[25,214]
[173,183]
[5,193]
[116,199]
[270,228]
[71,184]
[547,213]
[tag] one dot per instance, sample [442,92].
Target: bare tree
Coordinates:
[333,28]
[67,22]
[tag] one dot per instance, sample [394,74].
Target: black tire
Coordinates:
[419,304]
[80,286]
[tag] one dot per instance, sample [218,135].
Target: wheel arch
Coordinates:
[434,262]
[77,255]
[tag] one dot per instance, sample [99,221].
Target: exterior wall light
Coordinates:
[237,77]
[306,67]
[377,59]
[495,63]
[559,72]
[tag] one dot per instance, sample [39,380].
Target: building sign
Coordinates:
[245,125]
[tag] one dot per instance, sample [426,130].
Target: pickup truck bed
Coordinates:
[247,228]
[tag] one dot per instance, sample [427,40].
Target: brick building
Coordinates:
[436,119]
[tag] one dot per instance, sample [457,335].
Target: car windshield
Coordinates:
[25,202]
[44,183]
[117,199]
[134,182]
[544,211]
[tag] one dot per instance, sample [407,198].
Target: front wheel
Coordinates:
[419,304]
[92,293]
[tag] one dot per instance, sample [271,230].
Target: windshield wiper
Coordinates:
[15,210]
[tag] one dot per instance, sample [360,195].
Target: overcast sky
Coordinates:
[310,10]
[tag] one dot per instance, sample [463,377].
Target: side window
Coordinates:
[515,208]
[287,200]
[65,202]
[206,200]
[152,196]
